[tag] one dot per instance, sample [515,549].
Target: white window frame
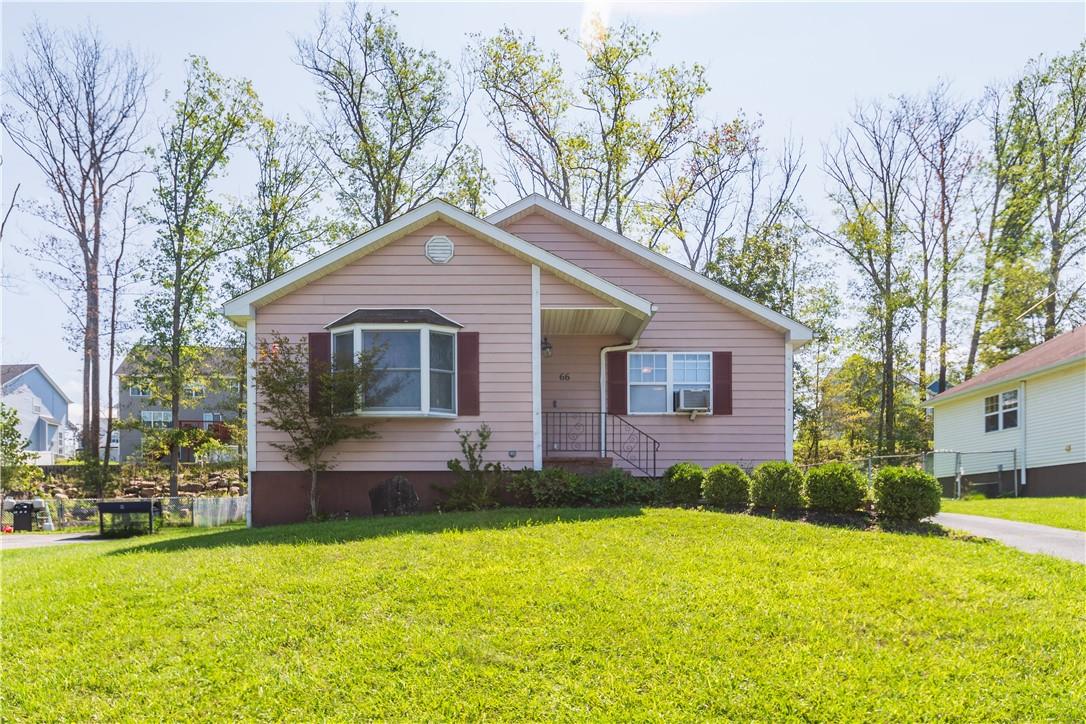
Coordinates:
[196,392]
[670,382]
[152,418]
[424,331]
[1002,406]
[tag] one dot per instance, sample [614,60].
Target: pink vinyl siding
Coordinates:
[483,288]
[555,292]
[578,358]
[686,320]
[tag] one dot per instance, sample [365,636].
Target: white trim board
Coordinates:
[797,333]
[239,308]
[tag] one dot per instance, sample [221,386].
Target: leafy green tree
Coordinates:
[392,127]
[278,223]
[15,467]
[210,118]
[283,377]
[592,145]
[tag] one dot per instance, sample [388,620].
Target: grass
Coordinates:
[588,614]
[1067,513]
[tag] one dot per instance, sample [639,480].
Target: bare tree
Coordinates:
[77,111]
[391,126]
[870,168]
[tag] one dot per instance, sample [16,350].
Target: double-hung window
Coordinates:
[416,369]
[137,391]
[157,418]
[656,380]
[1001,411]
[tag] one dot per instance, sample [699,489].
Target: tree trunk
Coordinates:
[175,378]
[313,493]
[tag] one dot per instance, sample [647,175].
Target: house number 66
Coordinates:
[564,377]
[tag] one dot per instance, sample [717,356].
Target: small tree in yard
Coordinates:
[284,384]
[15,467]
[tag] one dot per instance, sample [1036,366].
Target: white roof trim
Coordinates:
[241,307]
[797,332]
[1011,381]
[39,368]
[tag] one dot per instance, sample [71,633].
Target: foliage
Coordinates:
[1069,513]
[391,125]
[726,486]
[627,612]
[906,494]
[15,467]
[681,483]
[312,428]
[835,488]
[478,482]
[552,487]
[777,485]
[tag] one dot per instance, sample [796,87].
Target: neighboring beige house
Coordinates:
[1034,405]
[568,339]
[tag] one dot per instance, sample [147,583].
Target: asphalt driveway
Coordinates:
[1029,537]
[11,541]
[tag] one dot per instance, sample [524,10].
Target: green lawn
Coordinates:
[1059,512]
[598,614]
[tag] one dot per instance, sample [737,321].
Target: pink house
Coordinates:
[569,340]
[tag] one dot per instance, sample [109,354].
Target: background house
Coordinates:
[206,406]
[42,408]
[1025,417]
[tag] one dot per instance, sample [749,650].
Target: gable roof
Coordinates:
[1065,349]
[9,373]
[239,309]
[536,203]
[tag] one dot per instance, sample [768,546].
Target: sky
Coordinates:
[800,67]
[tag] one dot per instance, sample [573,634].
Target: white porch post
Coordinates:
[537,375]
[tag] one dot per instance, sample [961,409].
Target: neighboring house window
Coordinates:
[417,372]
[156,418]
[196,392]
[136,391]
[35,407]
[210,418]
[1001,411]
[656,379]
[115,438]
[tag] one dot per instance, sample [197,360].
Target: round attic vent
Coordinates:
[439,249]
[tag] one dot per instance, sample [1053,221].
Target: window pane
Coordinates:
[1010,419]
[645,367]
[690,368]
[648,398]
[1010,399]
[991,423]
[343,350]
[399,390]
[441,351]
[401,347]
[991,404]
[441,391]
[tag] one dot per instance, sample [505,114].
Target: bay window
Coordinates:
[656,379]
[416,371]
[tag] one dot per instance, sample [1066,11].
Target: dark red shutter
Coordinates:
[722,383]
[467,373]
[320,361]
[616,383]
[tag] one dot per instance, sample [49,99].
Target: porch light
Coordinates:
[547,348]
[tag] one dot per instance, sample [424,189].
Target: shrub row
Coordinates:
[556,488]
[900,494]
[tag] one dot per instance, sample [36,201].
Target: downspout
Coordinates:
[603,374]
[1023,433]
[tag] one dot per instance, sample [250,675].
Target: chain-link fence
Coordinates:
[992,473]
[81,514]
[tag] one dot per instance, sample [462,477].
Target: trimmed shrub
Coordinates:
[906,495]
[546,488]
[682,483]
[615,487]
[726,486]
[835,488]
[777,485]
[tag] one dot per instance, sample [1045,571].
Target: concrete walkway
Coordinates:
[1029,537]
[11,541]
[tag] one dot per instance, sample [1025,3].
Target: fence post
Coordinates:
[958,475]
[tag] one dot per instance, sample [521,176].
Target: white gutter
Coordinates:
[603,375]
